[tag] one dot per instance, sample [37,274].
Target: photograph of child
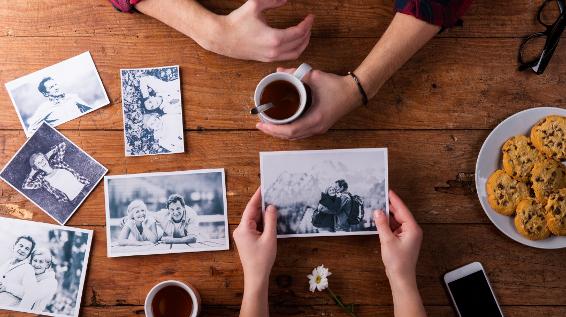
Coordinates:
[325,193]
[175,212]
[58,93]
[53,173]
[42,267]
[152,107]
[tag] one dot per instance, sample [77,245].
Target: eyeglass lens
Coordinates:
[548,13]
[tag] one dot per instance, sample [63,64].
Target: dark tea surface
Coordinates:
[172,301]
[284,96]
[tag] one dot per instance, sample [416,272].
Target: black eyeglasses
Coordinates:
[554,19]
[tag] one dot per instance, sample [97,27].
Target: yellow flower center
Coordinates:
[318,279]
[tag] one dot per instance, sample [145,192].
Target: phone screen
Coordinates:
[473,296]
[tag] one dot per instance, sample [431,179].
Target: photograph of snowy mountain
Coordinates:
[325,193]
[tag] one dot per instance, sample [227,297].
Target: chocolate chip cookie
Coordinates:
[519,157]
[549,136]
[530,220]
[504,193]
[548,176]
[556,213]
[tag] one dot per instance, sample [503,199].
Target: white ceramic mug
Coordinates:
[193,293]
[294,79]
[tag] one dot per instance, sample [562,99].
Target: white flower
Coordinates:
[318,280]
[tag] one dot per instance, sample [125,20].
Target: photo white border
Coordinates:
[333,151]
[111,254]
[28,198]
[13,82]
[90,234]
[124,112]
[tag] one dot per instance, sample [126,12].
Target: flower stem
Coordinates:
[339,303]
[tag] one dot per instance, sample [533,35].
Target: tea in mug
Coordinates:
[285,98]
[172,301]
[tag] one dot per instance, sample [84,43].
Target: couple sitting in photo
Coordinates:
[27,279]
[338,209]
[178,224]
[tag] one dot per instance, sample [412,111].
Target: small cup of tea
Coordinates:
[288,95]
[172,299]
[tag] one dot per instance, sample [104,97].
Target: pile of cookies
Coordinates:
[532,185]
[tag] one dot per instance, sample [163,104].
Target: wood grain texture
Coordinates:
[432,169]
[433,116]
[317,311]
[450,84]
[520,275]
[334,18]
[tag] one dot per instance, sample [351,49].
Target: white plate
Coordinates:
[489,160]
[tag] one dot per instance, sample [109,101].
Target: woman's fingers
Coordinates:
[385,233]
[400,211]
[270,222]
[253,209]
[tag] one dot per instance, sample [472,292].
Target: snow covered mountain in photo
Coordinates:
[304,188]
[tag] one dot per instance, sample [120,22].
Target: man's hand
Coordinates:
[242,34]
[246,35]
[333,97]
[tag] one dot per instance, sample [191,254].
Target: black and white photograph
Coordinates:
[167,212]
[153,111]
[325,192]
[42,267]
[53,173]
[58,93]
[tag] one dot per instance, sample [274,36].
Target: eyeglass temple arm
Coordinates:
[549,47]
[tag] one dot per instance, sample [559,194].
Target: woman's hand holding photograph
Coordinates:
[256,240]
[400,247]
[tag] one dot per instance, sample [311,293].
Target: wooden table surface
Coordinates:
[433,115]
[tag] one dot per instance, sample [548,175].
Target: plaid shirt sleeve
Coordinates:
[58,153]
[124,5]
[444,13]
[33,181]
[38,181]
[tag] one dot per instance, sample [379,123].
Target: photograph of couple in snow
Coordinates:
[325,193]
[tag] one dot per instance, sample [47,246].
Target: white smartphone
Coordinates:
[471,292]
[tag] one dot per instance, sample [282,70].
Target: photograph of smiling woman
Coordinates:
[42,267]
[40,296]
[138,227]
[166,212]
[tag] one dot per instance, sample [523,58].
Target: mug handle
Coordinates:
[302,70]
